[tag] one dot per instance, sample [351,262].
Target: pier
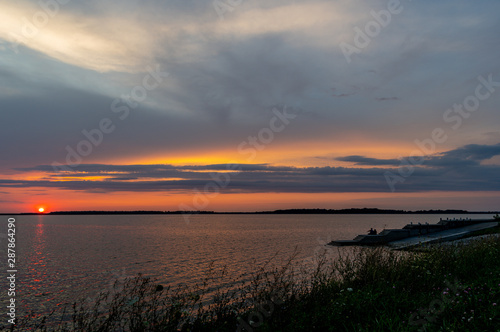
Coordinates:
[414,234]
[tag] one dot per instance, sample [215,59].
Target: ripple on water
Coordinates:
[64,258]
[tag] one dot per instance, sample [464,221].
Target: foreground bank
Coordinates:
[445,288]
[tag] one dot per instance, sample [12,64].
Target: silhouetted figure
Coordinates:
[372,231]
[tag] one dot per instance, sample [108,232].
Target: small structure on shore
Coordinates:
[410,230]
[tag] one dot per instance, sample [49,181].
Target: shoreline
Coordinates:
[353,211]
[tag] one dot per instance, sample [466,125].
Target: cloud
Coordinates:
[386,98]
[472,152]
[105,44]
[439,172]
[226,77]
[104,37]
[468,155]
[360,160]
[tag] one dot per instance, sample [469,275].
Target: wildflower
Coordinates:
[494,304]
[349,289]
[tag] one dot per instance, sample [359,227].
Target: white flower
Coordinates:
[349,289]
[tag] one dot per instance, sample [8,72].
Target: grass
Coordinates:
[447,288]
[493,230]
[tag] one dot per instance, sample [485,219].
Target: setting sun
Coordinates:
[41,210]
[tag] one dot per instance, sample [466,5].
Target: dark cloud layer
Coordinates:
[466,156]
[360,160]
[455,170]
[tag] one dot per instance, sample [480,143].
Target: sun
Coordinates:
[41,210]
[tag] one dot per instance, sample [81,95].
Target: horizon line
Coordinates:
[278,211]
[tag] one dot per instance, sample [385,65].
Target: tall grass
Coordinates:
[445,288]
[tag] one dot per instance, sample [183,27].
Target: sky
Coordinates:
[249,105]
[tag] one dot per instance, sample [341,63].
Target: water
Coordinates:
[63,258]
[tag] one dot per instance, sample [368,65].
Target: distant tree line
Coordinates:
[287,211]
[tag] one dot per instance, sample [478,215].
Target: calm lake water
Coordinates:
[63,258]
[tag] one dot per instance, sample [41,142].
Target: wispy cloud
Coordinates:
[360,160]
[386,98]
[93,42]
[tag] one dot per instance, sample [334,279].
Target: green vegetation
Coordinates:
[447,288]
[493,230]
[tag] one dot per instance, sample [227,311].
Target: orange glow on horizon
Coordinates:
[68,200]
[299,154]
